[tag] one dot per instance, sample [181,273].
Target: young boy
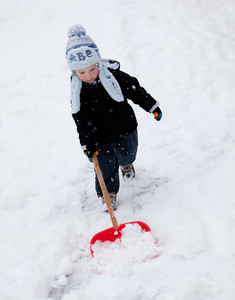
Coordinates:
[105,121]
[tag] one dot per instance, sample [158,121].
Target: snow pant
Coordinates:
[113,155]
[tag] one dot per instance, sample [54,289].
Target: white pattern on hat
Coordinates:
[82,57]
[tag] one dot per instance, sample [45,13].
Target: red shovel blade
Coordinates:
[112,234]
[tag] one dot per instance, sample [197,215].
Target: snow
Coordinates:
[183,53]
[133,240]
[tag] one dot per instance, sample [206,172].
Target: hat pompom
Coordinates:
[76,30]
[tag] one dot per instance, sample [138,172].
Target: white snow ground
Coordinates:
[183,53]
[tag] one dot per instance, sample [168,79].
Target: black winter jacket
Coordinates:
[101,119]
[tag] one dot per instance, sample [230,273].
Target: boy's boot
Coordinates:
[113,199]
[128,172]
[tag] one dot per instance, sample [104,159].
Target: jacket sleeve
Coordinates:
[133,91]
[85,132]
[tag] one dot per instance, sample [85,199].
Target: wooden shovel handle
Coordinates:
[104,190]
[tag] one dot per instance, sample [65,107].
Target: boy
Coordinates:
[105,121]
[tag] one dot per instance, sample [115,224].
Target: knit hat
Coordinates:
[82,52]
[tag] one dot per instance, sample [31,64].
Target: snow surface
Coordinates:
[183,53]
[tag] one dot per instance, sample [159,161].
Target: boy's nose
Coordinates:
[89,76]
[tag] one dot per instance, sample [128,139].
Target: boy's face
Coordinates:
[88,74]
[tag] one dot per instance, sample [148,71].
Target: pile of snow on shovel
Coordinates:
[135,245]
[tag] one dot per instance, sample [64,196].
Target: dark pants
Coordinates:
[111,156]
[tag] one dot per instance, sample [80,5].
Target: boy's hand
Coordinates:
[89,151]
[157,114]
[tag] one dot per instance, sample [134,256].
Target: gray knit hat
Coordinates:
[77,54]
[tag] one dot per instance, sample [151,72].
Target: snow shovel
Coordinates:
[113,233]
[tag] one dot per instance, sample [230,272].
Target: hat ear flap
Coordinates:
[111,85]
[76,85]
